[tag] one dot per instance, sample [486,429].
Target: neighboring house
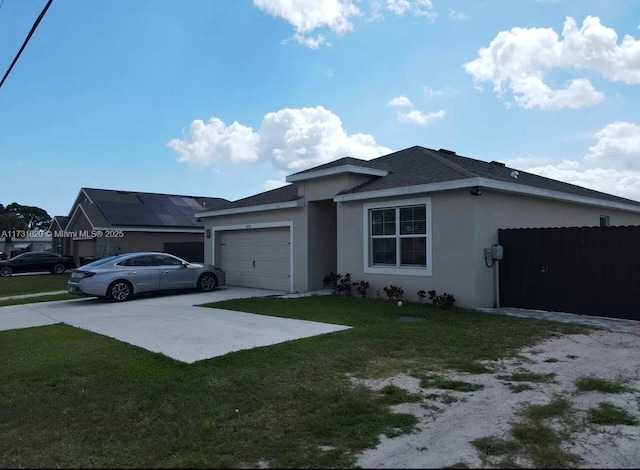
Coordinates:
[39,240]
[419,218]
[59,243]
[104,222]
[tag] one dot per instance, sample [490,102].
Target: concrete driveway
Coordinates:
[171,324]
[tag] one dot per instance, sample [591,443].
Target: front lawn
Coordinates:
[19,285]
[71,398]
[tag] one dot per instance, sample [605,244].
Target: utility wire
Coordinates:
[24,44]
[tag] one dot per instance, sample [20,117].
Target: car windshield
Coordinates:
[101,261]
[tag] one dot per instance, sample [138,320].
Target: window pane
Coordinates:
[383,222]
[413,251]
[413,220]
[384,251]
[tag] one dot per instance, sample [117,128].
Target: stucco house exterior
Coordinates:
[104,222]
[417,218]
[39,240]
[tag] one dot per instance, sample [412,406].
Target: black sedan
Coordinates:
[36,261]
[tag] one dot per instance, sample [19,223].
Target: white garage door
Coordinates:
[256,258]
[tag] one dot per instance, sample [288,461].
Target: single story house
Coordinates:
[418,218]
[104,222]
[39,240]
[59,243]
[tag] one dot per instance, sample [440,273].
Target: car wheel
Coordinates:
[119,291]
[5,271]
[207,282]
[58,269]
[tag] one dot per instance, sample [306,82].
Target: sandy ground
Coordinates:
[446,429]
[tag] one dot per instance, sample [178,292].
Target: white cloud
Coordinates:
[618,143]
[214,141]
[413,115]
[617,149]
[532,92]
[306,16]
[457,15]
[611,181]
[518,60]
[274,184]
[401,101]
[432,92]
[292,139]
[419,117]
[416,7]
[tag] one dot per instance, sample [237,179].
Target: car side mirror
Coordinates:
[184,265]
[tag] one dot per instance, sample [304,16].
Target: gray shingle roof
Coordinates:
[62,221]
[419,165]
[284,194]
[345,161]
[113,208]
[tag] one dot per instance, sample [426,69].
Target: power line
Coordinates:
[24,44]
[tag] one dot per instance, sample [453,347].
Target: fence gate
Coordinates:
[586,270]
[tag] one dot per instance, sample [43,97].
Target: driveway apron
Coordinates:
[171,325]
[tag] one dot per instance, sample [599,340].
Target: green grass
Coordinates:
[393,395]
[71,398]
[528,377]
[494,445]
[40,298]
[596,384]
[556,408]
[517,388]
[19,285]
[531,438]
[448,384]
[608,414]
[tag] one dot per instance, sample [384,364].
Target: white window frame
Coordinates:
[366,240]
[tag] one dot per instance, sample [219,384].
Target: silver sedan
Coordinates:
[119,277]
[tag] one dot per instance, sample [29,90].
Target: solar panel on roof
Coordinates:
[191,202]
[152,210]
[167,219]
[177,201]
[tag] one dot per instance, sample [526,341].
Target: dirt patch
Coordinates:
[450,420]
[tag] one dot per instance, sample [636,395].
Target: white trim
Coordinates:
[85,215]
[489,184]
[225,228]
[243,210]
[82,190]
[359,170]
[404,271]
[549,194]
[409,190]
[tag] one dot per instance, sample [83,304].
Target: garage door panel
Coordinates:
[256,258]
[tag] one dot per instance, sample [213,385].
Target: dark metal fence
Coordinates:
[585,270]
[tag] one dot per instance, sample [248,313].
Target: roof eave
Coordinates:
[489,184]
[246,209]
[336,170]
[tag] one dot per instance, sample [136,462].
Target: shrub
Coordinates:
[393,292]
[421,295]
[362,287]
[445,300]
[341,284]
[332,280]
[345,286]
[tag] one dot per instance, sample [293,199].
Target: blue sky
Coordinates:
[225,98]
